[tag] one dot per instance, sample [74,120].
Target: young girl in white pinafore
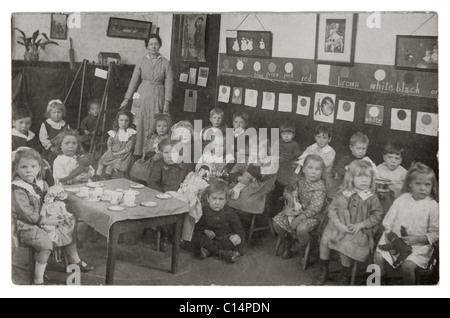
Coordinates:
[418,212]
[52,128]
[354,215]
[121,141]
[66,167]
[31,227]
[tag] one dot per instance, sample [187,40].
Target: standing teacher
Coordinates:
[154,74]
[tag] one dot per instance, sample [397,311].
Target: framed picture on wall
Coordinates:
[249,44]
[335,38]
[193,47]
[129,29]
[58,26]
[418,53]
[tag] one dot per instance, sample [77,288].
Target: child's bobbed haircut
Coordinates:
[287,126]
[163,117]
[63,135]
[358,168]
[96,101]
[359,137]
[243,115]
[216,111]
[315,158]
[394,148]
[322,129]
[216,186]
[121,112]
[26,153]
[420,168]
[55,104]
[21,112]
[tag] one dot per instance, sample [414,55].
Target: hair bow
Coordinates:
[54,101]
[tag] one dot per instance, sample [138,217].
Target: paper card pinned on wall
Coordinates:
[401,119]
[101,73]
[190,101]
[427,124]
[346,110]
[251,97]
[374,115]
[203,76]
[285,102]
[192,76]
[303,105]
[184,77]
[231,34]
[224,94]
[268,102]
[237,96]
[324,108]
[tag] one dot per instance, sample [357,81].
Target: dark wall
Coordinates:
[418,147]
[205,95]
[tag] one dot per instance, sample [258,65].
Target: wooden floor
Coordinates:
[139,264]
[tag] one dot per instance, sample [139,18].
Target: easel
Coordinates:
[103,104]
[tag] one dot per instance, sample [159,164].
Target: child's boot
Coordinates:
[346,276]
[324,273]
[228,256]
[287,243]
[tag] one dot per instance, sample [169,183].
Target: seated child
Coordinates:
[321,148]
[52,128]
[140,169]
[391,168]
[240,125]
[121,141]
[22,136]
[217,124]
[167,175]
[219,162]
[303,212]
[353,215]
[289,150]
[87,126]
[26,202]
[358,147]
[417,211]
[54,206]
[71,166]
[219,231]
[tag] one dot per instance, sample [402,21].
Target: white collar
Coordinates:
[25,185]
[16,133]
[55,124]
[123,135]
[148,56]
[364,195]
[325,149]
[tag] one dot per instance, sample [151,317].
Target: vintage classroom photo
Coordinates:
[226,149]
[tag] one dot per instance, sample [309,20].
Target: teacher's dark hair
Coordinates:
[153,36]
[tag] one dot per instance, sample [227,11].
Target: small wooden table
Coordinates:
[111,224]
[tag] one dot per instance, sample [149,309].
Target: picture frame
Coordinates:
[246,43]
[335,38]
[128,29]
[416,53]
[58,26]
[193,43]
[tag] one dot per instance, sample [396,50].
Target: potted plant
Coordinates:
[33,45]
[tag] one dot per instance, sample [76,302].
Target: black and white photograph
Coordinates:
[125,174]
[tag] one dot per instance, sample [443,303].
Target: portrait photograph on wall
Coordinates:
[335,38]
[58,27]
[193,45]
